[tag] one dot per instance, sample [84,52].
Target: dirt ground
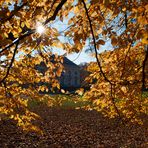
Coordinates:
[69,128]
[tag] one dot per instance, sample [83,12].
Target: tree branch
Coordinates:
[125,16]
[18,39]
[143,68]
[11,63]
[29,32]
[98,62]
[58,8]
[94,42]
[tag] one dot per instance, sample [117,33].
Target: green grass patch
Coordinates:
[74,104]
[64,101]
[145,94]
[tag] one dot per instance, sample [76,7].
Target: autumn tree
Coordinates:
[93,21]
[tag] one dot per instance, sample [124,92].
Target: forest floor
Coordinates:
[70,128]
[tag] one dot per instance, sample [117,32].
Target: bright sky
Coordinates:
[81,57]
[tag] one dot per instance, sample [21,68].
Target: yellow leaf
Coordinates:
[124,89]
[27,24]
[62,91]
[145,39]
[114,40]
[76,9]
[102,42]
[80,91]
[6,35]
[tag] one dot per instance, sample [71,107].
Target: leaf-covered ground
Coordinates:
[69,128]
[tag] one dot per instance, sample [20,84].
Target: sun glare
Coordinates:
[40,29]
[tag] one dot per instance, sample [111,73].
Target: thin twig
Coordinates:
[58,8]
[143,68]
[94,42]
[98,62]
[29,32]
[11,63]
[18,39]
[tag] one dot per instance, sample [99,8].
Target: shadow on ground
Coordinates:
[69,128]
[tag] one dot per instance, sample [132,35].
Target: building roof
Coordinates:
[68,62]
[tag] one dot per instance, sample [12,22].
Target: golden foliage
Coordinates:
[126,77]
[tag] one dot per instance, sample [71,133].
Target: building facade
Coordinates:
[70,77]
